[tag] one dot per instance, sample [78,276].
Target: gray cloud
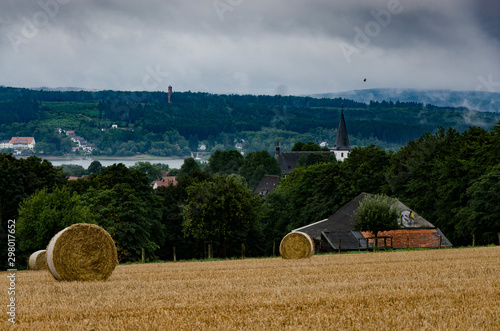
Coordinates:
[248,46]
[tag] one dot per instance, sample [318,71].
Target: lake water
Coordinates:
[172,163]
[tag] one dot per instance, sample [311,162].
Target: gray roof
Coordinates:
[267,184]
[346,240]
[340,221]
[289,160]
[342,139]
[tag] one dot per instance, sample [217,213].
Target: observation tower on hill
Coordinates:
[170,94]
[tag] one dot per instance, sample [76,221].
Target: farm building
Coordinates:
[337,231]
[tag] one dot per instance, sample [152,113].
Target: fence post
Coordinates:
[143,255]
[499,238]
[242,250]
[209,250]
[274,248]
[439,241]
[340,245]
[407,242]
[175,255]
[473,240]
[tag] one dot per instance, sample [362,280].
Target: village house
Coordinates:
[164,181]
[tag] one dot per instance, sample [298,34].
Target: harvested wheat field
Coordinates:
[453,289]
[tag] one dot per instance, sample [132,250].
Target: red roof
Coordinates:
[76,178]
[414,238]
[22,140]
[166,181]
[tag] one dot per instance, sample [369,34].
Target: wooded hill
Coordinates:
[147,123]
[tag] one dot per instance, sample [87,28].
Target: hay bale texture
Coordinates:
[82,252]
[297,245]
[38,260]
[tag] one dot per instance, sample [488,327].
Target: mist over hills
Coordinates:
[474,100]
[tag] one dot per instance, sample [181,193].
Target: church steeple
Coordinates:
[342,139]
[342,147]
[278,146]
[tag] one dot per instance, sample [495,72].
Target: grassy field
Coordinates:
[452,289]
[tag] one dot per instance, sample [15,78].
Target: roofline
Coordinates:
[308,225]
[304,152]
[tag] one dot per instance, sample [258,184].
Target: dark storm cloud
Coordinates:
[249,46]
[486,14]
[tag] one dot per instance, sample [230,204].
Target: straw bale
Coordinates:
[38,260]
[82,252]
[297,245]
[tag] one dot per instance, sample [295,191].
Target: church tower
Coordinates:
[342,147]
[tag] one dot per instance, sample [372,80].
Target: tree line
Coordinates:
[451,178]
[147,123]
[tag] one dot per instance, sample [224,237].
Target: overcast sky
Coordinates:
[251,46]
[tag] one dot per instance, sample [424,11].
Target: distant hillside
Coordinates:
[475,100]
[148,124]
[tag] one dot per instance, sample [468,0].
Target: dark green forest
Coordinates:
[147,123]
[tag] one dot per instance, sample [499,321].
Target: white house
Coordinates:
[4,144]
[22,142]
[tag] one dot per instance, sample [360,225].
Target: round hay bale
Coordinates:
[297,245]
[38,260]
[82,252]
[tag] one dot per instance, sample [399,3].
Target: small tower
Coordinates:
[342,147]
[278,146]
[170,94]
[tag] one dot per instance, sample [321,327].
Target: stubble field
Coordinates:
[453,289]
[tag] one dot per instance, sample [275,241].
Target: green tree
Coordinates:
[152,172]
[217,208]
[174,197]
[298,146]
[188,167]
[225,162]
[364,171]
[73,170]
[123,202]
[45,213]
[132,218]
[19,179]
[308,147]
[376,214]
[256,165]
[95,167]
[305,196]
[313,158]
[481,214]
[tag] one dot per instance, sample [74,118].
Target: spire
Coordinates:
[342,139]
[278,146]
